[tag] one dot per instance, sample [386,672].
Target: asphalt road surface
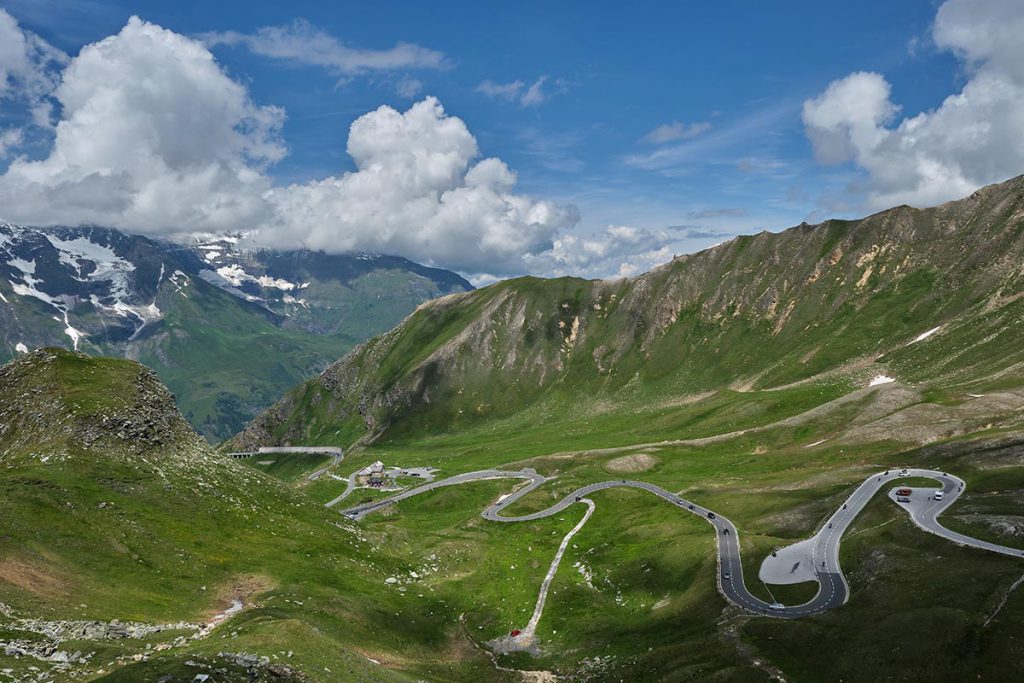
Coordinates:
[833,590]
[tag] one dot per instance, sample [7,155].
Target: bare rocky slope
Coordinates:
[758,311]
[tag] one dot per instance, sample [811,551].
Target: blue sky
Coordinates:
[648,116]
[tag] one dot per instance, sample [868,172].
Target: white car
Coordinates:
[777,605]
[938,495]
[904,472]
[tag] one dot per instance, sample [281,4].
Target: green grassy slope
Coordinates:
[100,524]
[835,303]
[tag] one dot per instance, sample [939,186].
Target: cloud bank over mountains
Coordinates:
[155,137]
[973,138]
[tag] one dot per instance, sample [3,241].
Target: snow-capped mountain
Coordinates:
[227,327]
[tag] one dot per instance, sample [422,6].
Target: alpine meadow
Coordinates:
[304,381]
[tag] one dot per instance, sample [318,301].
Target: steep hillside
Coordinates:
[129,549]
[923,295]
[228,329]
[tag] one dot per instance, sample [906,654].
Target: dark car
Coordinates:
[711,515]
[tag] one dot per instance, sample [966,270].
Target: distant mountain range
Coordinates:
[227,328]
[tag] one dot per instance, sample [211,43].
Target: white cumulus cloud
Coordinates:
[971,139]
[616,251]
[153,137]
[419,191]
[29,72]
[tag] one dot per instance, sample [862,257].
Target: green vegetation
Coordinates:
[289,466]
[738,377]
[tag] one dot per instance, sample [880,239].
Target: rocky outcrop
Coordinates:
[57,399]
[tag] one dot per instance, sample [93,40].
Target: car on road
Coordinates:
[725,532]
[904,472]
[726,575]
[939,495]
[689,507]
[777,606]
[711,515]
[902,499]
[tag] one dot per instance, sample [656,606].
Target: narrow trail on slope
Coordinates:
[524,640]
[833,590]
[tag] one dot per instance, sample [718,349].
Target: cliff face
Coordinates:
[757,312]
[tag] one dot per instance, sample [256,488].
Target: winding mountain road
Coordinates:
[833,591]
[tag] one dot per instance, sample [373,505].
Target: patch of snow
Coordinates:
[76,335]
[77,253]
[218,280]
[925,335]
[279,283]
[234,274]
[21,348]
[880,379]
[26,267]
[4,298]
[30,290]
[179,285]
